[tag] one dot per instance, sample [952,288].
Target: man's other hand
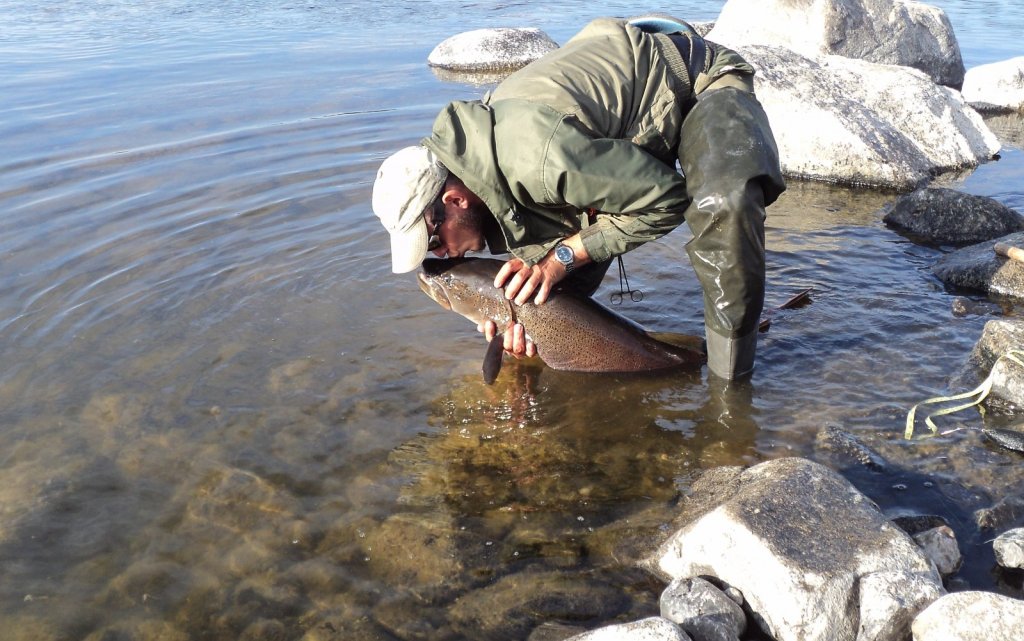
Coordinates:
[516,342]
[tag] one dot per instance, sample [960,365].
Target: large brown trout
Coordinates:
[571,332]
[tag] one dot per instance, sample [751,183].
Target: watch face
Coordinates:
[564,254]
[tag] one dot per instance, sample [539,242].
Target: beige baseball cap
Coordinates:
[407,183]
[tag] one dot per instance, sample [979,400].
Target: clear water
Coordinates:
[221,415]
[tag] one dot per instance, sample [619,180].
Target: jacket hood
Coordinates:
[456,139]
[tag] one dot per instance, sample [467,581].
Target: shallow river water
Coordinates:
[222,417]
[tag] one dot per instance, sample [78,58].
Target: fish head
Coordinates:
[465,286]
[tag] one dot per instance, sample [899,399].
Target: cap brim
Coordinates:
[408,249]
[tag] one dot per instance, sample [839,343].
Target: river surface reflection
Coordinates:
[222,417]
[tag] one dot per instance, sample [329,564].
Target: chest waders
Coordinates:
[731,164]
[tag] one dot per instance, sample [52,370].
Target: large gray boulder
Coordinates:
[940,216]
[502,49]
[978,267]
[889,32]
[996,87]
[854,122]
[971,616]
[814,558]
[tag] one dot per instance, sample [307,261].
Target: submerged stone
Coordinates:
[941,216]
[649,629]
[491,49]
[514,605]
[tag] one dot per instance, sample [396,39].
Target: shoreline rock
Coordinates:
[997,87]
[940,216]
[910,34]
[491,50]
[830,564]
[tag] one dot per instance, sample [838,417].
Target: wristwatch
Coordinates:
[565,255]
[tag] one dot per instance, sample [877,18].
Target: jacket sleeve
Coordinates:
[638,198]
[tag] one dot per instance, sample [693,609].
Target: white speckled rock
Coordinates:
[996,87]
[893,32]
[1009,548]
[491,49]
[854,122]
[970,616]
[815,559]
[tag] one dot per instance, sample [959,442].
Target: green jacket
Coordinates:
[583,139]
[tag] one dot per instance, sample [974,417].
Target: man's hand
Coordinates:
[521,281]
[516,342]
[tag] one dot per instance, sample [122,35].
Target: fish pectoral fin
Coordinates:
[493,357]
[684,341]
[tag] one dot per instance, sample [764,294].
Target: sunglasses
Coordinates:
[436,220]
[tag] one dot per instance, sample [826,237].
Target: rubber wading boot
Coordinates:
[731,164]
[730,358]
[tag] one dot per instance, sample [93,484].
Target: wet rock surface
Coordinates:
[940,216]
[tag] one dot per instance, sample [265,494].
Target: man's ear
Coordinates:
[457,194]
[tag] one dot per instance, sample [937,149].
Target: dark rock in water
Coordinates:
[1007,513]
[939,216]
[979,268]
[963,306]
[843,450]
[514,605]
[549,631]
[425,553]
[915,524]
[395,613]
[1007,439]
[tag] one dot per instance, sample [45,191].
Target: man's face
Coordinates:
[461,231]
